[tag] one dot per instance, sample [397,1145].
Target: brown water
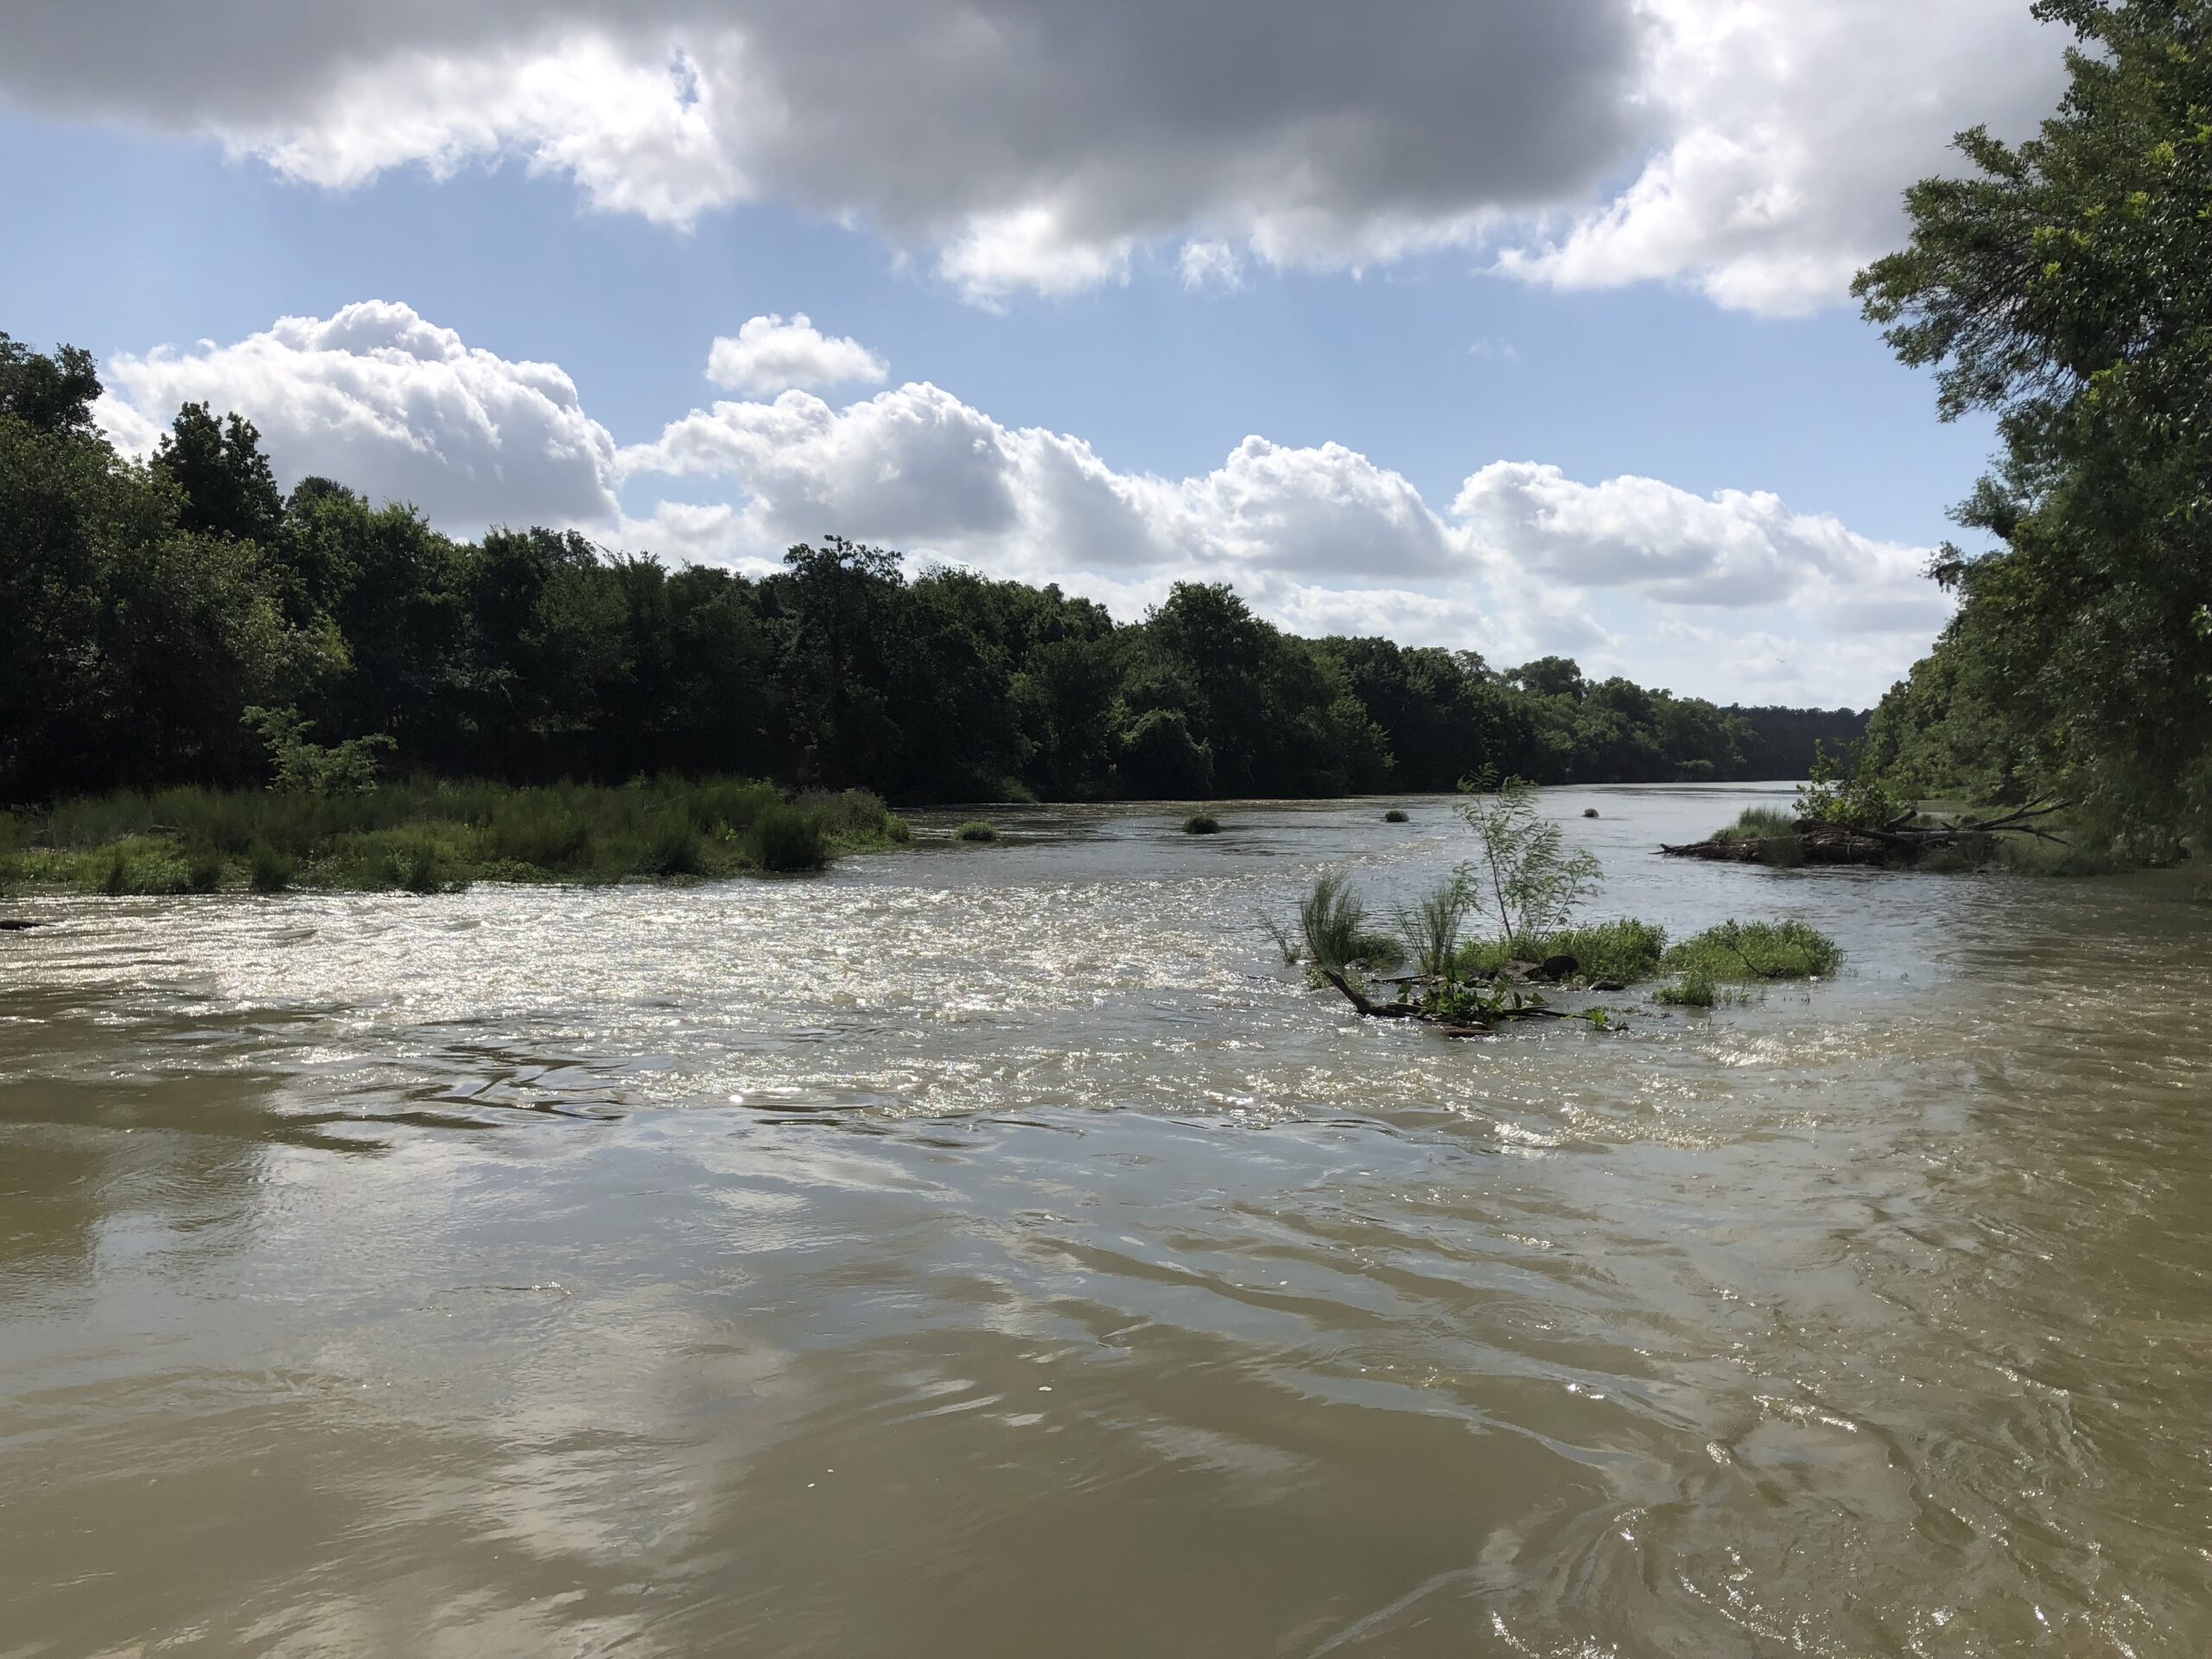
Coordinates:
[994,1251]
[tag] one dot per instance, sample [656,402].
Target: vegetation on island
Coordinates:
[1520,893]
[1851,815]
[2064,284]
[428,836]
[1201,823]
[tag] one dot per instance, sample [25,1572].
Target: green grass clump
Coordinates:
[1396,814]
[1431,924]
[783,840]
[1742,952]
[1376,949]
[976,830]
[1627,951]
[1331,920]
[1691,990]
[1199,824]
[203,870]
[1774,829]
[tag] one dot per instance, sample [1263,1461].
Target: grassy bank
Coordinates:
[428,835]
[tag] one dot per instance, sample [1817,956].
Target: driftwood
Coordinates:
[1900,841]
[1367,1007]
[17,925]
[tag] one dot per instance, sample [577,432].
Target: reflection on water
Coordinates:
[993,1251]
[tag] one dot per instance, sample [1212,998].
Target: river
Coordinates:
[991,1250]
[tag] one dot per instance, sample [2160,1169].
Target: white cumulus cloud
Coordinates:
[382,400]
[773,355]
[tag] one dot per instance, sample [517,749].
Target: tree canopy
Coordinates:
[2066,285]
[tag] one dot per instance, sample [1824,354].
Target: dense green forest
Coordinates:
[183,621]
[2066,285]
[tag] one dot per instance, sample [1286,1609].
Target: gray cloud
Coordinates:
[1040,144]
[1033,141]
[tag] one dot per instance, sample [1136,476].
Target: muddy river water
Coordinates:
[995,1250]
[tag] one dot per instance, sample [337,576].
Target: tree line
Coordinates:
[166,616]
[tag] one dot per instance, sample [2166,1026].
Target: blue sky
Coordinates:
[1718,478]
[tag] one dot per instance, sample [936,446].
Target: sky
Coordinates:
[1512,327]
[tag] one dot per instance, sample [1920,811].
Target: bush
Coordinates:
[203,871]
[1589,811]
[1396,814]
[1737,952]
[673,850]
[269,870]
[785,840]
[1199,824]
[976,830]
[416,866]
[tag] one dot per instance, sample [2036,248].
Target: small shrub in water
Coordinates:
[1741,952]
[1396,814]
[1199,824]
[1691,990]
[267,870]
[1589,811]
[976,830]
[783,840]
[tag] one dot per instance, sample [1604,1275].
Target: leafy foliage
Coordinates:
[1850,790]
[1524,880]
[2065,284]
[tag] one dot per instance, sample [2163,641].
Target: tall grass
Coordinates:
[426,835]
[1333,923]
[1775,831]
[1431,927]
